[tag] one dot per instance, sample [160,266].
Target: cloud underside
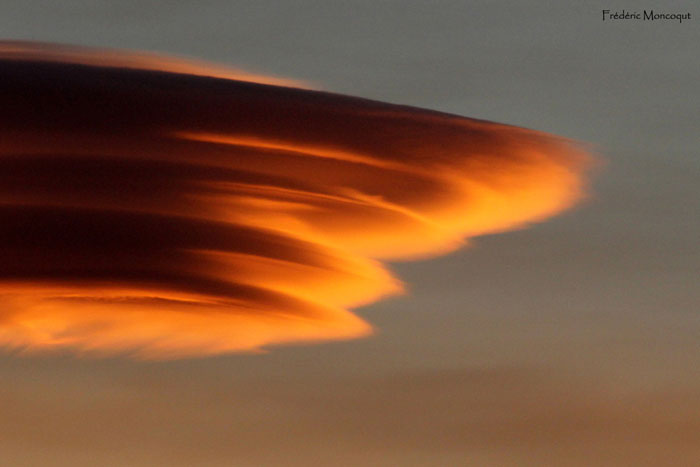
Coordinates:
[163,211]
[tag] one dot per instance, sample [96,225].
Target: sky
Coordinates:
[570,342]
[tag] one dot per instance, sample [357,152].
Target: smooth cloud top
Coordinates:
[171,210]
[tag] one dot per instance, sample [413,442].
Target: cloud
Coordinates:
[165,208]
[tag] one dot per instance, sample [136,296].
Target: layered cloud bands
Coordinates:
[162,208]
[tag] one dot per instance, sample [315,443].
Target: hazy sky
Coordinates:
[573,342]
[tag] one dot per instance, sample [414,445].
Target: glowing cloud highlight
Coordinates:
[165,209]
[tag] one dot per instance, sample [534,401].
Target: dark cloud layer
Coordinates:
[164,208]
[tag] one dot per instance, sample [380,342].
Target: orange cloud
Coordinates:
[111,58]
[161,209]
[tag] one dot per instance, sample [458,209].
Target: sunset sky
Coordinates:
[549,311]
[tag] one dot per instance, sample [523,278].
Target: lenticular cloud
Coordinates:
[161,208]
